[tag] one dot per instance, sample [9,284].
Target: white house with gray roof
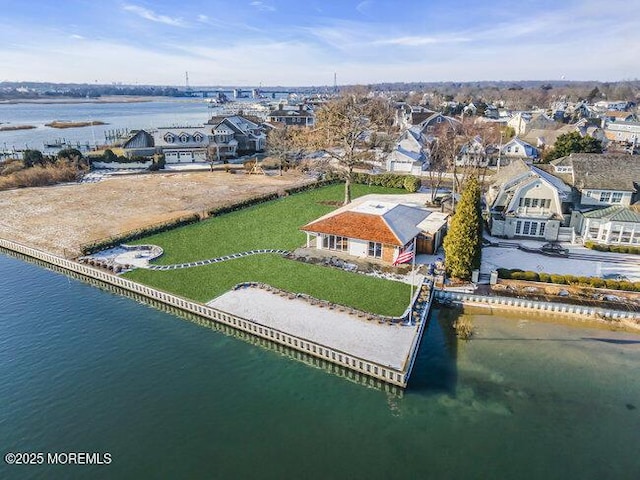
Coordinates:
[527,202]
[615,225]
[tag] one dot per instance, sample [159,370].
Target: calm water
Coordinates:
[146,115]
[85,370]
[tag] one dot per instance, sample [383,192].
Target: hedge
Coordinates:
[595,282]
[411,183]
[243,204]
[613,248]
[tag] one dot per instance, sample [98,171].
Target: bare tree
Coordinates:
[284,144]
[346,131]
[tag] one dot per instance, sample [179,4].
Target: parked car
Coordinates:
[555,249]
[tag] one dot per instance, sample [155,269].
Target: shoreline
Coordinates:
[373,370]
[69,100]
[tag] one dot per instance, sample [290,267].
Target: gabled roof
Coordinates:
[615,213]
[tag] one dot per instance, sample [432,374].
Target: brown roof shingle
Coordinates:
[362,226]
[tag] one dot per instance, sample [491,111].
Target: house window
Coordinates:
[198,137]
[616,197]
[169,138]
[605,197]
[535,202]
[530,228]
[375,250]
[527,202]
[184,138]
[334,242]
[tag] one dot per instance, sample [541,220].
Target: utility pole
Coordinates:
[186,78]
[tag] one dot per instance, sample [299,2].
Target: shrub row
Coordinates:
[613,248]
[115,240]
[595,282]
[243,204]
[310,186]
[410,183]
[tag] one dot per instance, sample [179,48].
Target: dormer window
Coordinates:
[169,138]
[184,138]
[198,137]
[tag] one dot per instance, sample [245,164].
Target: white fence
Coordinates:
[383,373]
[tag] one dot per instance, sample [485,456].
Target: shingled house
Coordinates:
[377,228]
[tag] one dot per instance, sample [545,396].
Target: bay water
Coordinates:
[85,370]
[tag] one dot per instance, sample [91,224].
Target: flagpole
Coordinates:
[413,276]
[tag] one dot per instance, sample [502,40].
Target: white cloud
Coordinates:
[418,41]
[263,7]
[75,36]
[155,17]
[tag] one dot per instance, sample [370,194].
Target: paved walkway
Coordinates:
[199,263]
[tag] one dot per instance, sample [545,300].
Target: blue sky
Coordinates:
[303,42]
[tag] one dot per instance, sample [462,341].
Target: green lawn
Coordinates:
[270,225]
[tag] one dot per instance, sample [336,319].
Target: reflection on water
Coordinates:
[85,370]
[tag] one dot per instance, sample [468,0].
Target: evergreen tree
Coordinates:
[573,143]
[463,243]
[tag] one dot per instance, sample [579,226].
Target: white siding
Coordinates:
[358,248]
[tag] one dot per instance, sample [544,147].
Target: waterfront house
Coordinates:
[237,134]
[377,228]
[302,116]
[182,144]
[139,144]
[614,225]
[524,201]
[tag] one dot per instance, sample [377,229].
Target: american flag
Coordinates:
[405,256]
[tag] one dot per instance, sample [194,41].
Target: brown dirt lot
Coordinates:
[59,219]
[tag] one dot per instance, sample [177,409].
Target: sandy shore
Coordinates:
[385,344]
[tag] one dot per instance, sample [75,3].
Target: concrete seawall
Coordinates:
[324,353]
[536,306]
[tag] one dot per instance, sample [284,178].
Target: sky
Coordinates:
[304,42]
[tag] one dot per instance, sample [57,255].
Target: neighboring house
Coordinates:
[601,179]
[517,149]
[409,115]
[623,134]
[140,144]
[527,202]
[410,154]
[301,116]
[615,225]
[431,124]
[522,122]
[473,154]
[377,228]
[605,105]
[182,144]
[617,116]
[248,135]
